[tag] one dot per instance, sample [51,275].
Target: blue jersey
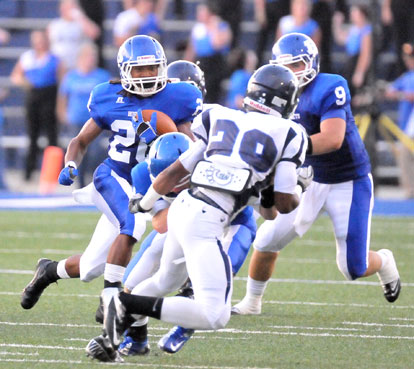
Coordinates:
[113,111]
[327,96]
[77,86]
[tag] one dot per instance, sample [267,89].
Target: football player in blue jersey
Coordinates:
[237,242]
[249,153]
[342,186]
[115,106]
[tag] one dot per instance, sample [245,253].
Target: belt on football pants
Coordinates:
[197,194]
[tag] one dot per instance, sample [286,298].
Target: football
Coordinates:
[164,123]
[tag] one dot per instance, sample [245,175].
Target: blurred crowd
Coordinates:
[66,60]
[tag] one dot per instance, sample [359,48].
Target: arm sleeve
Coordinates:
[194,154]
[286,177]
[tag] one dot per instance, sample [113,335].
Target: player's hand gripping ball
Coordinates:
[149,124]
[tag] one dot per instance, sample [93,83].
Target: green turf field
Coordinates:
[312,317]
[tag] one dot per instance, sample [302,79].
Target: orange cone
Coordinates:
[52,164]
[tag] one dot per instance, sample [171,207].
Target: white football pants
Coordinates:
[195,230]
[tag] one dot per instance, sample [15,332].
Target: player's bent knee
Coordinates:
[218,320]
[357,271]
[88,273]
[352,272]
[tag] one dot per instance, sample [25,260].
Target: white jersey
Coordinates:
[238,142]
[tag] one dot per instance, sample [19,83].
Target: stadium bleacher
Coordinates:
[20,17]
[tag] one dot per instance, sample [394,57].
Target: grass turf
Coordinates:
[312,317]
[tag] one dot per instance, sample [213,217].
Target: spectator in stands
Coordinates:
[299,20]
[95,11]
[402,90]
[4,36]
[4,39]
[243,63]
[322,13]
[357,39]
[3,186]
[399,14]
[38,71]
[231,11]
[267,14]
[209,44]
[138,18]
[73,96]
[69,31]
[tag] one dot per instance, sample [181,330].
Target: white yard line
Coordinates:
[337,304]
[378,245]
[366,324]
[37,251]
[146,365]
[273,280]
[43,235]
[322,281]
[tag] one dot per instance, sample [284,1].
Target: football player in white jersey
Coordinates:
[342,185]
[248,156]
[239,236]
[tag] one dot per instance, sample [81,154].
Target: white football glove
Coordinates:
[305,177]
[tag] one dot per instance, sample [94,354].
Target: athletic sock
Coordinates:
[143,305]
[61,270]
[255,289]
[138,334]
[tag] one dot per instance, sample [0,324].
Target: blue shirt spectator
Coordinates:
[300,21]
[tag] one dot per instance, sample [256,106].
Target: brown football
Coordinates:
[164,123]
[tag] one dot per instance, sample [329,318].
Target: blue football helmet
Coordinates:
[186,71]
[140,51]
[295,47]
[165,150]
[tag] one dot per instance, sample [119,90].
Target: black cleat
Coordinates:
[100,348]
[392,290]
[186,290]
[116,321]
[99,315]
[35,288]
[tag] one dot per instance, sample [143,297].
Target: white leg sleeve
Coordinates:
[148,264]
[170,276]
[92,261]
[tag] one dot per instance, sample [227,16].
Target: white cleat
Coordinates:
[247,306]
[389,276]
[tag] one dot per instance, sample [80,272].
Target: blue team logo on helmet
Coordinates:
[296,47]
[165,150]
[140,51]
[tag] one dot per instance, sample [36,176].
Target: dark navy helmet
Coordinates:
[295,47]
[272,89]
[186,71]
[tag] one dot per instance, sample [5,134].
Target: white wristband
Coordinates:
[71,164]
[149,198]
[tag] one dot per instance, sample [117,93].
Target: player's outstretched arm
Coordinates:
[163,184]
[76,150]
